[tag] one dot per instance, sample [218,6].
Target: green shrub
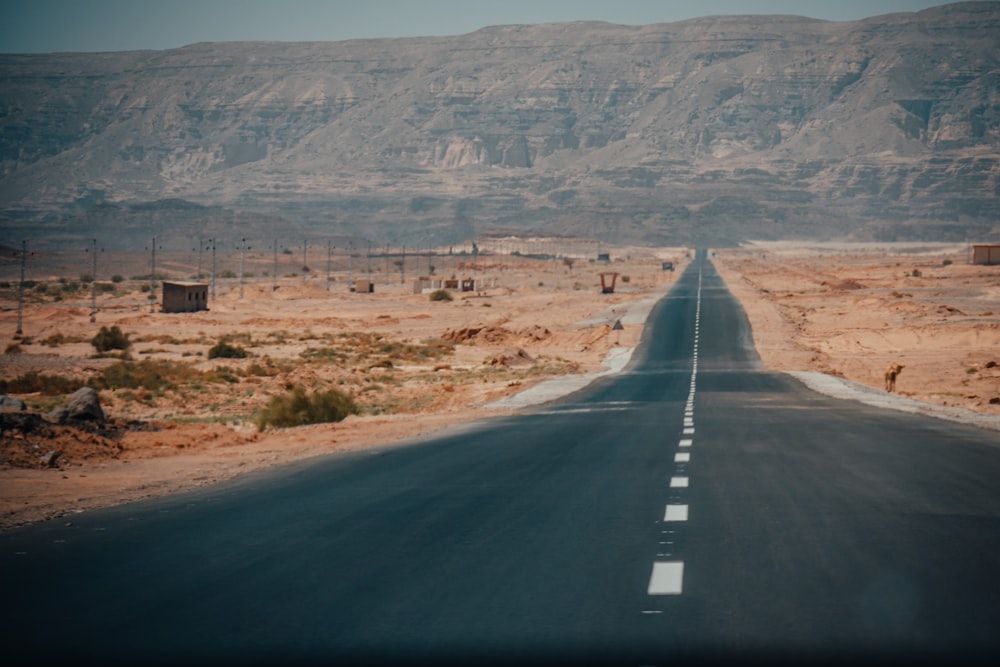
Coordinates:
[223,350]
[296,408]
[440,295]
[110,339]
[117,278]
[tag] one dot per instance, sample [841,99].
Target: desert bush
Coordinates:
[221,376]
[117,278]
[296,408]
[440,295]
[223,350]
[916,273]
[431,348]
[327,354]
[262,370]
[34,382]
[947,262]
[13,348]
[110,339]
[55,340]
[149,374]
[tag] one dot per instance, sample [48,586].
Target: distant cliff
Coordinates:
[705,131]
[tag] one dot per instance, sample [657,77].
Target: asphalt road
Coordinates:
[693,506]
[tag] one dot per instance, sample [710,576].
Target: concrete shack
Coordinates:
[363,286]
[986,254]
[424,284]
[179,297]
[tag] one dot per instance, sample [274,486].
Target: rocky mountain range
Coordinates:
[708,131]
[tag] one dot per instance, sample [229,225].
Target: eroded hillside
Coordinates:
[706,131]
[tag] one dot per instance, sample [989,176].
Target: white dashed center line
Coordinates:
[676,513]
[667,577]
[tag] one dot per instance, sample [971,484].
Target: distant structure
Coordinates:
[363,286]
[608,287]
[986,254]
[184,297]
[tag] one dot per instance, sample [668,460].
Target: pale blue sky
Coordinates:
[40,26]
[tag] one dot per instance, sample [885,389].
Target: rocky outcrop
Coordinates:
[708,130]
[83,405]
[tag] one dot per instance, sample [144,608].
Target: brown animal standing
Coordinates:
[890,376]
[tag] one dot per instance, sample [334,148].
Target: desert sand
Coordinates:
[849,310]
[413,366]
[843,310]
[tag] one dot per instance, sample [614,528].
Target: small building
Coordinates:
[603,257]
[986,254]
[608,287]
[424,284]
[181,297]
[363,286]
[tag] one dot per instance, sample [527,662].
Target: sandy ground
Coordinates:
[833,315]
[529,321]
[849,310]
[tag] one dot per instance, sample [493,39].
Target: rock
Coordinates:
[50,459]
[8,404]
[516,357]
[83,405]
[20,422]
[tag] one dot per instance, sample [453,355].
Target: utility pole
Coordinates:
[93,284]
[197,275]
[402,267]
[274,277]
[213,268]
[152,279]
[329,251]
[20,287]
[243,251]
[305,265]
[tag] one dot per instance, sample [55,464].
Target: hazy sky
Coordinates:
[33,26]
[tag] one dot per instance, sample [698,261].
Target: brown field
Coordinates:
[415,365]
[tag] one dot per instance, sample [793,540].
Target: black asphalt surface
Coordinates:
[816,528]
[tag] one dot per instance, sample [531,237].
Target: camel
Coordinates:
[891,373]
